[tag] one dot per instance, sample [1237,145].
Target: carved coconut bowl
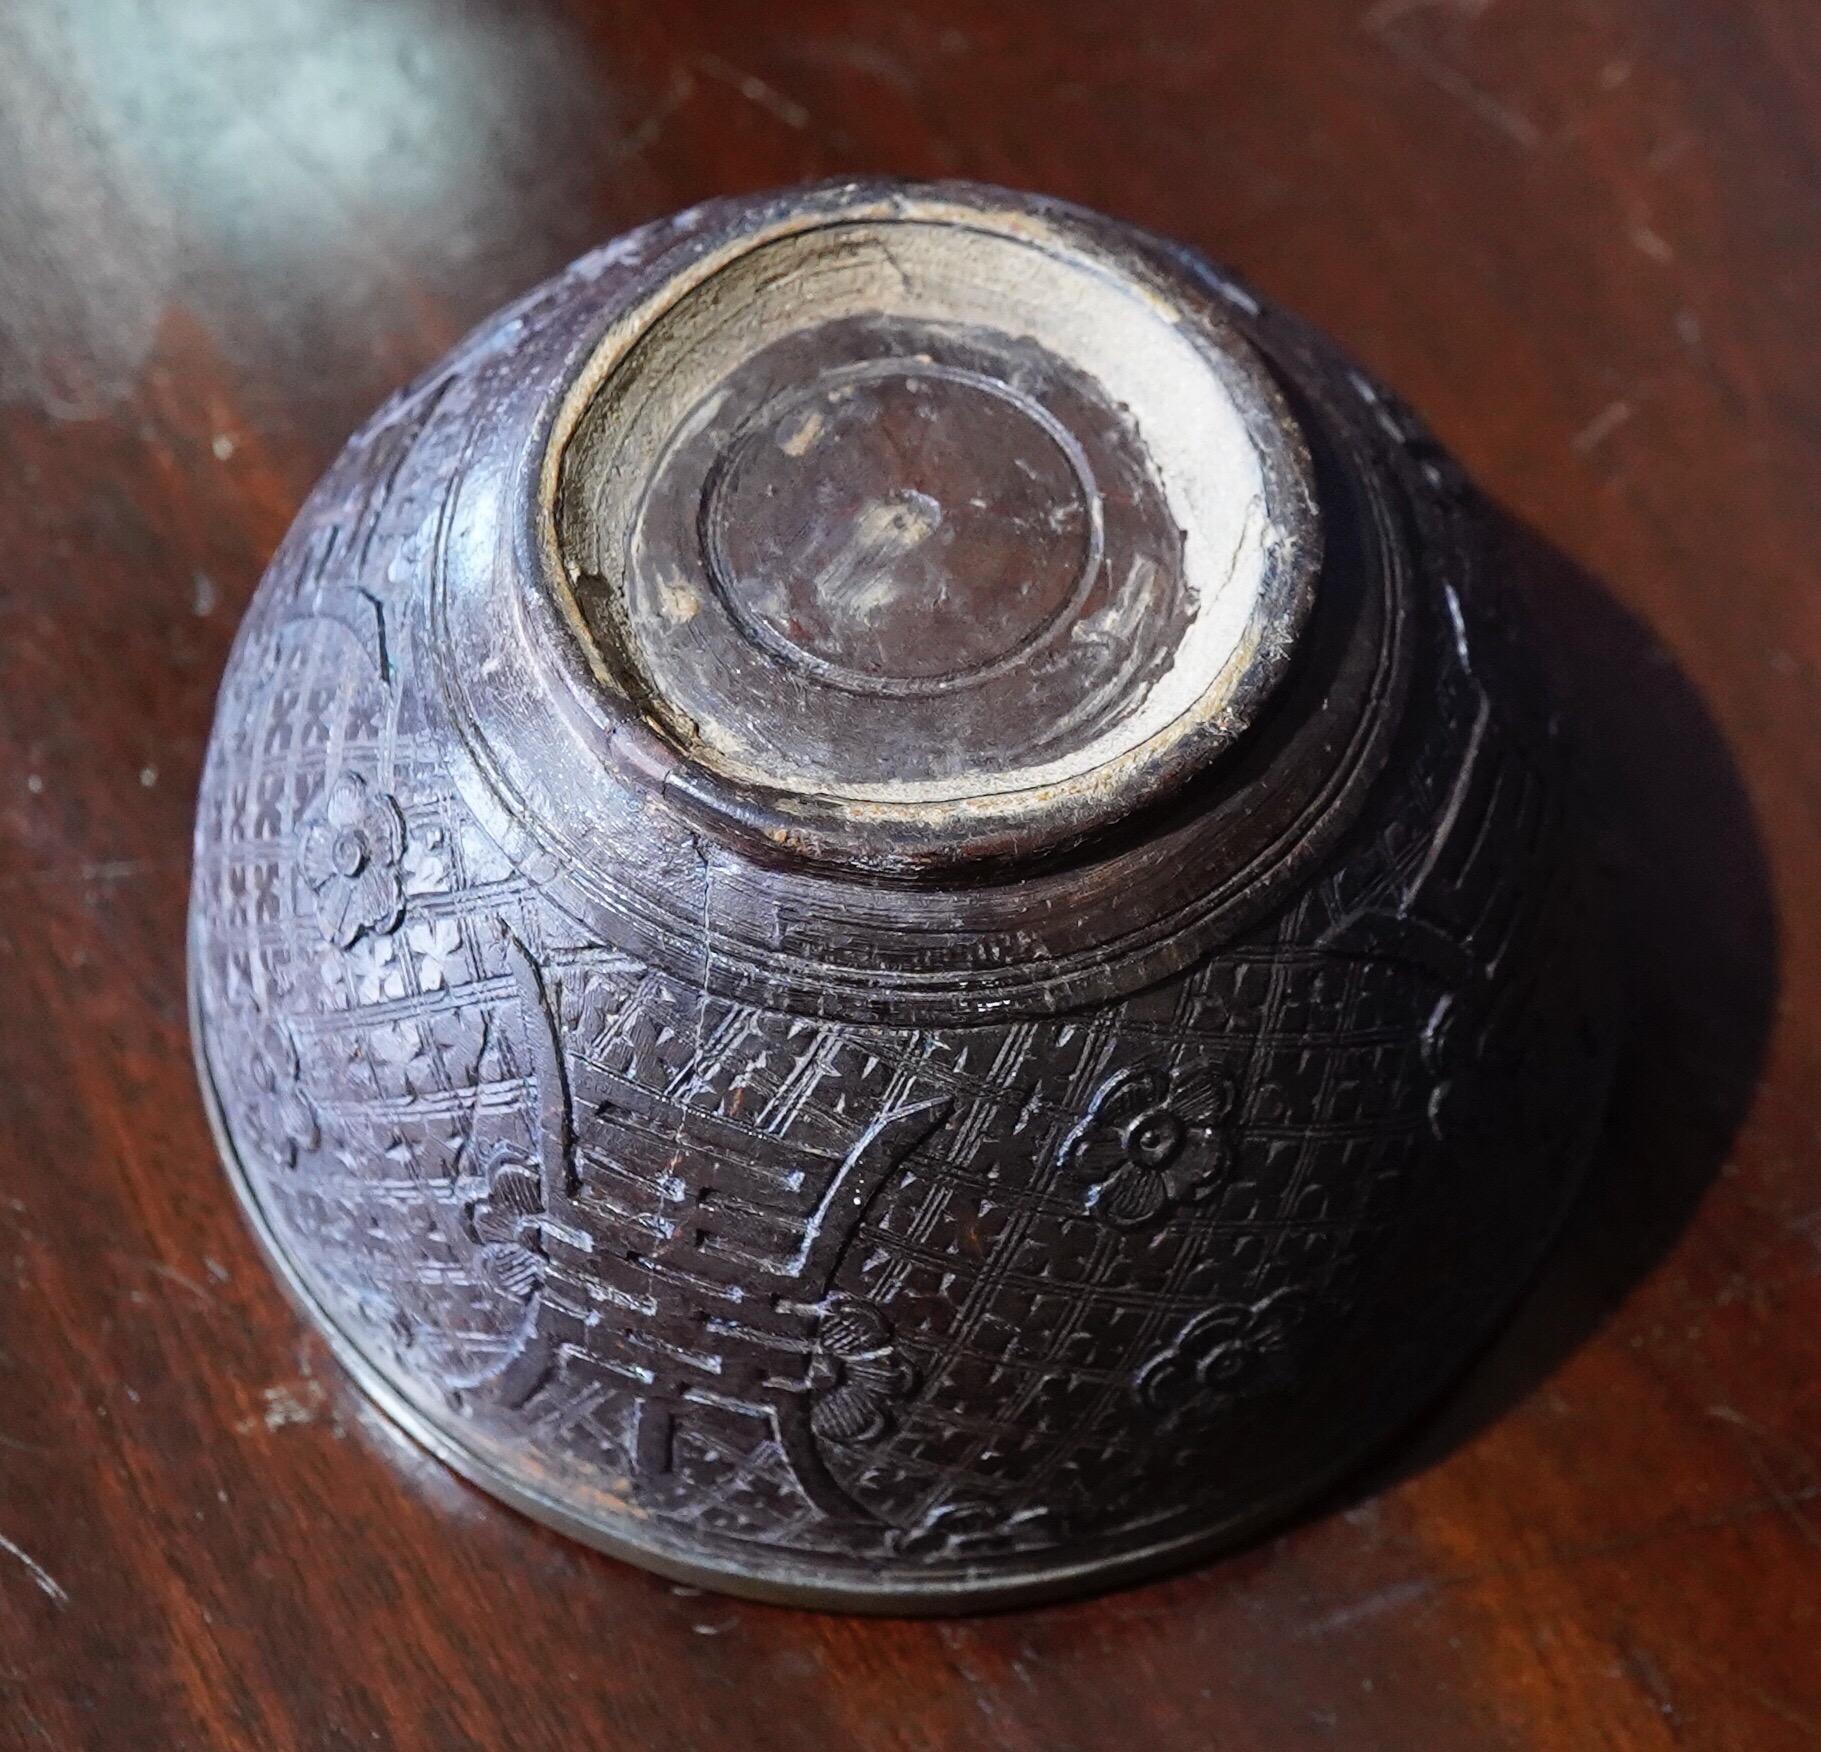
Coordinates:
[883,914]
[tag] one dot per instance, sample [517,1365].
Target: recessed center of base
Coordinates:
[902,526]
[958,523]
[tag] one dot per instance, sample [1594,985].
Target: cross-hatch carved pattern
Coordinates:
[883,1294]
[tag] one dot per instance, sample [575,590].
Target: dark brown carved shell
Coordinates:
[893,1210]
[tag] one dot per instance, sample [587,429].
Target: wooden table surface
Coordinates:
[1584,236]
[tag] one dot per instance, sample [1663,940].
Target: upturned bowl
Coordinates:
[884,913]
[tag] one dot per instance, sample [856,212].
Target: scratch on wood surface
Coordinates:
[958,1646]
[19,1447]
[680,90]
[1601,427]
[1501,116]
[172,1275]
[1381,20]
[754,89]
[1650,1679]
[1789,1503]
[47,1583]
[1368,1606]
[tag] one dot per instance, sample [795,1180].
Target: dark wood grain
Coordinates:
[1581,235]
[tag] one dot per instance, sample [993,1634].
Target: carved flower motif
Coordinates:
[1149,1142]
[350,858]
[279,1115]
[438,943]
[1235,1347]
[856,1373]
[426,870]
[509,1225]
[374,966]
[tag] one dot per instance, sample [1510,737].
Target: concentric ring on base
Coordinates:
[920,527]
[1038,900]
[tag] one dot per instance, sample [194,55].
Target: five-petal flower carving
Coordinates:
[350,858]
[1150,1140]
[1229,1349]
